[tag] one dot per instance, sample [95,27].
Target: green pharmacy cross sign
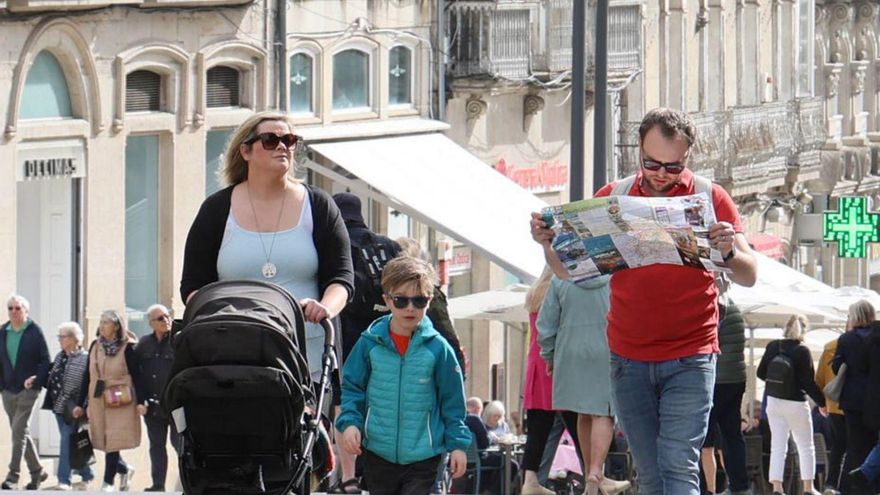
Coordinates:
[852,227]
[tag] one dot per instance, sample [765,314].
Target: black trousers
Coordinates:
[838,448]
[388,478]
[726,403]
[538,425]
[860,439]
[157,431]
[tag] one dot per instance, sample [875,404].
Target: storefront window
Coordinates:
[45,90]
[301,83]
[351,72]
[400,76]
[215,146]
[141,229]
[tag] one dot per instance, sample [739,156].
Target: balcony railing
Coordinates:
[488,40]
[494,37]
[745,143]
[624,38]
[70,5]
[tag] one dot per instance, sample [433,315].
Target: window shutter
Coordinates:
[223,87]
[143,91]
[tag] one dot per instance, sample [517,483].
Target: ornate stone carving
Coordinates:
[475,108]
[841,43]
[859,71]
[832,79]
[866,38]
[532,104]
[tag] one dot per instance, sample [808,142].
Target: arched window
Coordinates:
[400,76]
[223,87]
[143,91]
[351,79]
[45,90]
[301,83]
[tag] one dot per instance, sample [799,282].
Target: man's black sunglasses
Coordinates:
[270,140]
[401,302]
[672,168]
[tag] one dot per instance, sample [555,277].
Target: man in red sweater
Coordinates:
[662,325]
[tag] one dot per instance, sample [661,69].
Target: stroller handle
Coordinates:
[329,333]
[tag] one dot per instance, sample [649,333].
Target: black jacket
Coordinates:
[731,364]
[33,359]
[852,349]
[872,395]
[154,358]
[206,235]
[803,367]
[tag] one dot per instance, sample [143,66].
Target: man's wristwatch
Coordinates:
[729,256]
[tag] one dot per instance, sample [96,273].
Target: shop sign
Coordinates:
[852,226]
[50,159]
[461,261]
[547,176]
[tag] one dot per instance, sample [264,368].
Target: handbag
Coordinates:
[834,388]
[117,396]
[81,453]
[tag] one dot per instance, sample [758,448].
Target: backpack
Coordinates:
[781,381]
[370,253]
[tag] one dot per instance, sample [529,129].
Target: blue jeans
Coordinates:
[871,467]
[64,471]
[663,408]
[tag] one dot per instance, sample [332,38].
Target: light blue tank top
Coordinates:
[242,257]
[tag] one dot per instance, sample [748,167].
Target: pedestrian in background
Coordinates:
[571,326]
[64,386]
[155,355]
[24,367]
[836,419]
[852,350]
[787,369]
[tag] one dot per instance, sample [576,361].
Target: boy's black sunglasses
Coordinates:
[270,140]
[401,302]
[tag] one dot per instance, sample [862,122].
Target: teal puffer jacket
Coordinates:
[408,408]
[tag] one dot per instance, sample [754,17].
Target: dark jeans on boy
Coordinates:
[388,478]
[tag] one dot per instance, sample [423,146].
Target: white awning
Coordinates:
[439,183]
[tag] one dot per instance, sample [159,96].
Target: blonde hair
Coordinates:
[861,314]
[411,247]
[235,167]
[796,327]
[536,293]
[405,270]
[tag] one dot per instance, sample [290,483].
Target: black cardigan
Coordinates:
[206,235]
[803,368]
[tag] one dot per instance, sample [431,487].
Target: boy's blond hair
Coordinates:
[405,270]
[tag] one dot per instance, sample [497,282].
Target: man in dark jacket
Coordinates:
[730,385]
[24,367]
[155,357]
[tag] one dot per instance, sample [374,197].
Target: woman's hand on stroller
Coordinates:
[457,463]
[141,409]
[351,440]
[314,311]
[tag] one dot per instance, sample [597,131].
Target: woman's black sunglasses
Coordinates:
[401,302]
[270,140]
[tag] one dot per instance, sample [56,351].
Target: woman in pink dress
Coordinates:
[538,397]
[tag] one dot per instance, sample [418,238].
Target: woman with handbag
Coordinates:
[852,351]
[113,408]
[64,387]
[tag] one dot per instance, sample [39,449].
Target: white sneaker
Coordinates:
[125,479]
[107,487]
[64,487]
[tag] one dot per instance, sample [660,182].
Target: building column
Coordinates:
[715,98]
[676,60]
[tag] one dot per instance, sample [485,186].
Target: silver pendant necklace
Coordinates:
[269,269]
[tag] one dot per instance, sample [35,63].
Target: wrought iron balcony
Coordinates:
[491,39]
[745,144]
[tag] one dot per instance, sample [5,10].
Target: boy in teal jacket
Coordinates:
[402,391]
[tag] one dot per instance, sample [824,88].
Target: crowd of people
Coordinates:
[661,348]
[110,386]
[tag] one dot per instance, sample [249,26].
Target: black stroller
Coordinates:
[238,391]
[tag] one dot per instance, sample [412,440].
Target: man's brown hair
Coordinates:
[404,270]
[672,123]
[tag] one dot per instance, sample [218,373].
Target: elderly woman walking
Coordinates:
[64,387]
[572,324]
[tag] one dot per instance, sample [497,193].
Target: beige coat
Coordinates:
[111,429]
